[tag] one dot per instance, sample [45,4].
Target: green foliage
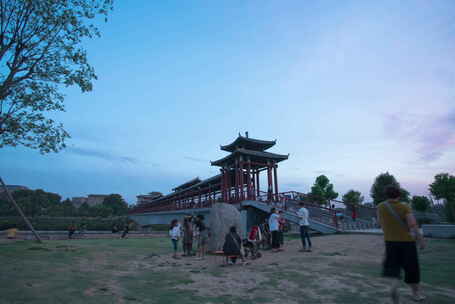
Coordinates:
[62,223]
[420,203]
[116,204]
[40,203]
[352,197]
[40,53]
[381,182]
[443,188]
[322,191]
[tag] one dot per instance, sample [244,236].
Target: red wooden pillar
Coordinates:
[222,183]
[242,182]
[258,188]
[248,176]
[228,185]
[275,181]
[253,190]
[269,182]
[236,178]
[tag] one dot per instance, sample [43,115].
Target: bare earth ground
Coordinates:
[341,269]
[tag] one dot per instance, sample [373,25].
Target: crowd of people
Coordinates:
[268,235]
[193,228]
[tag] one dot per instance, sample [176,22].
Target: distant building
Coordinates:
[96,199]
[147,198]
[91,200]
[78,201]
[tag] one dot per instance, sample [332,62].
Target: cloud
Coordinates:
[101,155]
[432,135]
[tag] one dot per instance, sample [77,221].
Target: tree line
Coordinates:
[442,188]
[41,203]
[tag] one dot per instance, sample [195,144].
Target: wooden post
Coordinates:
[269,182]
[253,190]
[242,189]
[236,173]
[258,188]
[276,181]
[10,197]
[222,184]
[248,176]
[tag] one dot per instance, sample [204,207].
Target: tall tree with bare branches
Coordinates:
[40,53]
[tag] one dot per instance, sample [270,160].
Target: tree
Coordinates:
[40,53]
[381,182]
[32,202]
[116,203]
[322,190]
[443,188]
[420,203]
[352,197]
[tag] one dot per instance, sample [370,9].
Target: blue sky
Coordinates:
[350,89]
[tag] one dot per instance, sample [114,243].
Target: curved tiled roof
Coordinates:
[249,143]
[255,155]
[187,184]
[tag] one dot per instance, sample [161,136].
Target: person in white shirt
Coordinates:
[175,234]
[274,229]
[304,224]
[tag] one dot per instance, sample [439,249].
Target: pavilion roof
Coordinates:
[249,143]
[256,156]
[187,184]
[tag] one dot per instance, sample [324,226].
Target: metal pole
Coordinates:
[38,239]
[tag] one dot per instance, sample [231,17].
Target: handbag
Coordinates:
[399,220]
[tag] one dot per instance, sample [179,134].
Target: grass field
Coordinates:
[342,269]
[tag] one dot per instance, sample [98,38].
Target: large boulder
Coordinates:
[222,217]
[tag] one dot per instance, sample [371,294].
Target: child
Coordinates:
[174,233]
[254,239]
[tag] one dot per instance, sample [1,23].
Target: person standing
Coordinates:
[401,236]
[126,229]
[281,228]
[71,230]
[174,233]
[274,229]
[187,236]
[304,224]
[203,236]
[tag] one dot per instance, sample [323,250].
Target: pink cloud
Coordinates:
[432,135]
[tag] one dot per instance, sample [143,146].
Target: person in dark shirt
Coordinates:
[231,247]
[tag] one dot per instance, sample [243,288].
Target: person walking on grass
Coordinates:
[126,229]
[304,224]
[71,230]
[401,236]
[274,229]
[203,236]
[174,233]
[281,228]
